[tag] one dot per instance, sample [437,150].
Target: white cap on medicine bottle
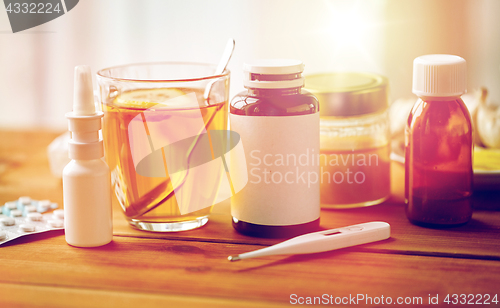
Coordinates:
[273,74]
[439,75]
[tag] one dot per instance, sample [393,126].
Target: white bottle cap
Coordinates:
[255,74]
[439,75]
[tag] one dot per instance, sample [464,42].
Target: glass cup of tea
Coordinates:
[160,135]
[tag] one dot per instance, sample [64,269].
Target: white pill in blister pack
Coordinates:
[56,223]
[30,208]
[16,213]
[25,200]
[59,214]
[26,228]
[25,205]
[24,217]
[7,221]
[11,205]
[34,216]
[44,205]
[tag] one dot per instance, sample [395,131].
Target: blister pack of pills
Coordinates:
[26,216]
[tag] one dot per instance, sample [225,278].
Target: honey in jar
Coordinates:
[354,138]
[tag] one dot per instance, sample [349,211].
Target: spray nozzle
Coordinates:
[83,99]
[84,121]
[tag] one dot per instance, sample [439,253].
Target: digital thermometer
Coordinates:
[324,240]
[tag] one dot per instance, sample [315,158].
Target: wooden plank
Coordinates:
[24,168]
[480,237]
[16,295]
[201,269]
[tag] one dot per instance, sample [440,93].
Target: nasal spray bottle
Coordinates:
[86,178]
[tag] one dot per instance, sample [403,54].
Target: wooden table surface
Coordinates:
[145,269]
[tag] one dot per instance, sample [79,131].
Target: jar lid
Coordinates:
[349,93]
[273,74]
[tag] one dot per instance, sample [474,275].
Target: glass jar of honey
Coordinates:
[354,138]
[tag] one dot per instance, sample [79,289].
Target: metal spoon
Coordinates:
[226,56]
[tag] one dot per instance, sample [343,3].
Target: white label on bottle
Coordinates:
[283,169]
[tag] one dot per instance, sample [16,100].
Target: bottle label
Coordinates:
[282,157]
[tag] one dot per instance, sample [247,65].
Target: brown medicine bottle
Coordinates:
[278,123]
[438,144]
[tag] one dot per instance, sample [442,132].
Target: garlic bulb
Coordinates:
[488,121]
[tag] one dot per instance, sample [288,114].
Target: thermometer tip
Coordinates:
[233,258]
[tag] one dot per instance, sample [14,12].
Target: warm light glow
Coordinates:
[354,33]
[349,24]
